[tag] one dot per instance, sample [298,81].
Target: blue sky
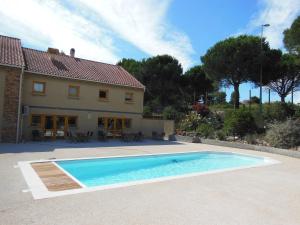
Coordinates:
[109,30]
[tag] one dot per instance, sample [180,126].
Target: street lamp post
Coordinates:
[261,67]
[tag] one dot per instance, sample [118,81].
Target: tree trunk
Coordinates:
[236,95]
[282,98]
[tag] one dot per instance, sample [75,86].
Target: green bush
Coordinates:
[205,130]
[190,122]
[221,135]
[147,111]
[251,139]
[240,123]
[278,111]
[297,111]
[285,134]
[170,113]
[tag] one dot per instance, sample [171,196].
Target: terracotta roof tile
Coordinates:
[12,54]
[11,51]
[75,68]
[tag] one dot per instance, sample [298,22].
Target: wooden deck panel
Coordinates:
[54,178]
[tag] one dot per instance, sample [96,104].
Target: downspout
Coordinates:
[19,105]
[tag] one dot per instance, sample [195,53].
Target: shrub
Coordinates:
[205,130]
[169,113]
[240,123]
[278,111]
[190,122]
[221,135]
[285,134]
[297,111]
[147,111]
[251,139]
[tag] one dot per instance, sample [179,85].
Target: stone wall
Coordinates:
[286,152]
[10,104]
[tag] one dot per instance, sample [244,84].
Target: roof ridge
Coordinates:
[65,55]
[1,35]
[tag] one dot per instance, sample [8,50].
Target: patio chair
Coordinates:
[36,135]
[138,136]
[89,135]
[154,135]
[102,136]
[70,137]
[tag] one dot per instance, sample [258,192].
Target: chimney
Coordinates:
[53,51]
[72,52]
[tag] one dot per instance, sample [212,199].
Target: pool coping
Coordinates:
[39,190]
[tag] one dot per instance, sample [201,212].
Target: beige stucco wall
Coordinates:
[57,95]
[86,121]
[159,126]
[87,107]
[2,85]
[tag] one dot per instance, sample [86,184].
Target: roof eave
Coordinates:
[53,75]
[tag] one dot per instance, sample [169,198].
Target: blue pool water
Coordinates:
[106,171]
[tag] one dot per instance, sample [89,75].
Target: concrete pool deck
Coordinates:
[261,195]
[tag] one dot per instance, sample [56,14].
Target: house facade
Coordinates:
[54,93]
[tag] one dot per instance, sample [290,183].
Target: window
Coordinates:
[36,120]
[110,123]
[73,91]
[119,124]
[127,123]
[128,97]
[38,87]
[103,94]
[72,121]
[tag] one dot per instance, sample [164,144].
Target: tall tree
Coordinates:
[292,37]
[196,83]
[234,61]
[161,76]
[288,77]
[132,66]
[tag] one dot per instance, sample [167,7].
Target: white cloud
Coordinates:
[48,23]
[92,27]
[143,24]
[279,14]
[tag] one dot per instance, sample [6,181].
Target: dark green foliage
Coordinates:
[239,122]
[278,112]
[220,134]
[218,97]
[161,76]
[285,134]
[297,112]
[292,37]
[132,66]
[195,84]
[205,130]
[235,60]
[288,73]
[169,113]
[147,111]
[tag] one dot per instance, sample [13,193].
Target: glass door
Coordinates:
[60,126]
[49,126]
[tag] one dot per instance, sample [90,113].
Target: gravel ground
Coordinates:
[267,195]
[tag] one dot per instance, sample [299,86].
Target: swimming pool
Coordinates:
[118,170]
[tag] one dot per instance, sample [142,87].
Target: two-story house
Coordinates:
[54,92]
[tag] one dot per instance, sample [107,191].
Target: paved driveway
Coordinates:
[263,195]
